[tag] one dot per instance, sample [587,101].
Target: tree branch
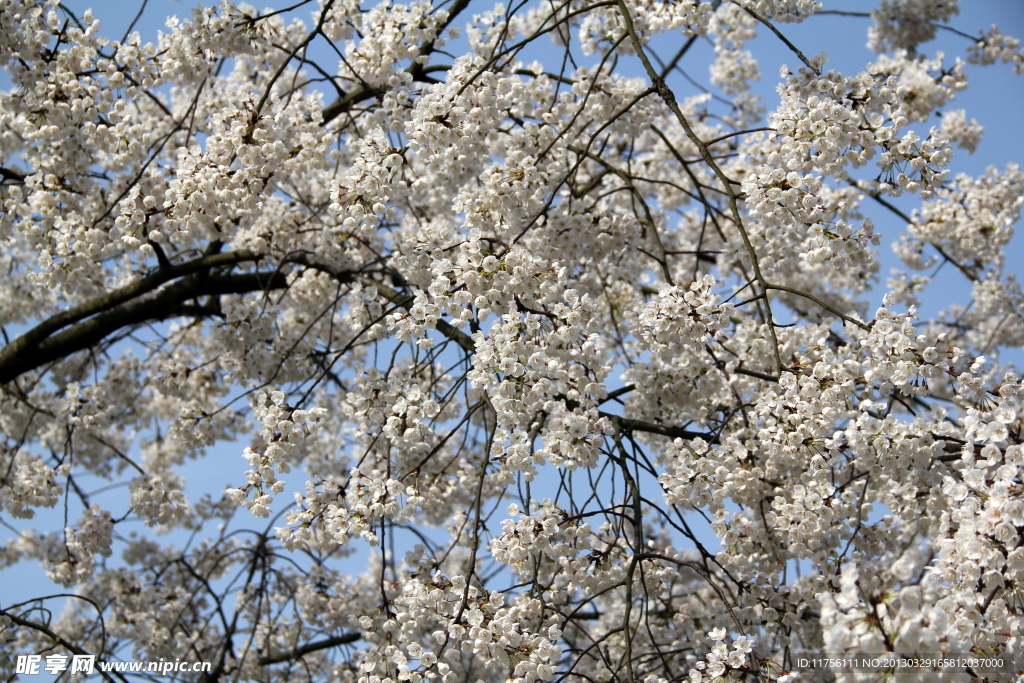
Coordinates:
[302,650]
[669,98]
[628,424]
[11,176]
[42,628]
[38,346]
[106,302]
[443,326]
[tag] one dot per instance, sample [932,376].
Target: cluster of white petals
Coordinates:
[994,46]
[905,24]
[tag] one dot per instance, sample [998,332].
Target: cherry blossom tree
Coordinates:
[546,361]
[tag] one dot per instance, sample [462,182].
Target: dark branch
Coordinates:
[629,424]
[35,337]
[417,71]
[42,628]
[12,176]
[36,348]
[289,655]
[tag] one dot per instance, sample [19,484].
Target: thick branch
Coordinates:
[11,176]
[35,349]
[106,302]
[628,424]
[289,655]
[344,104]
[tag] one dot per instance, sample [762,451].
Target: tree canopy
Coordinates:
[541,347]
